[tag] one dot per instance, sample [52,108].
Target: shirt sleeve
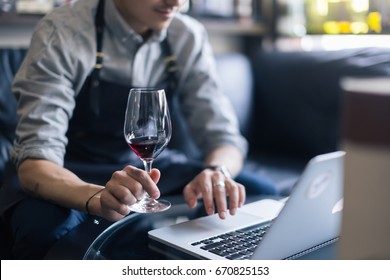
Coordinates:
[45,87]
[208,111]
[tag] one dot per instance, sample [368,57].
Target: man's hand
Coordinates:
[125,188]
[213,185]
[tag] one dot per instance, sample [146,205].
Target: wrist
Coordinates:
[88,203]
[220,168]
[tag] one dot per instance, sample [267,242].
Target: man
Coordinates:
[70,153]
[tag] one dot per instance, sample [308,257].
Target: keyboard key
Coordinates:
[239,244]
[211,246]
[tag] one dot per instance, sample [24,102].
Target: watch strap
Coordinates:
[221,168]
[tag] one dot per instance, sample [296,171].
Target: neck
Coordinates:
[141,29]
[145,35]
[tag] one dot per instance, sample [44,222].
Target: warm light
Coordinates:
[342,16]
[331,27]
[359,6]
[374,20]
[322,7]
[345,27]
[359,27]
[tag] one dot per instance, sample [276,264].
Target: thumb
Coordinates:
[155,174]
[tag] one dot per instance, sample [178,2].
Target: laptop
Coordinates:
[309,219]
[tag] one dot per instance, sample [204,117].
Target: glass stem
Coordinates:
[148,165]
[148,168]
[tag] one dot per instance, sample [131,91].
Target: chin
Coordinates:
[161,25]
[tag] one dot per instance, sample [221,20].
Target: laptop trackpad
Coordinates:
[265,208]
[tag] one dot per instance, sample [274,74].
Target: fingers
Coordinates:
[217,192]
[138,181]
[226,189]
[111,209]
[191,195]
[237,195]
[125,188]
[197,188]
[233,192]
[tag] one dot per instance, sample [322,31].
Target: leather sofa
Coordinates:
[298,105]
[289,105]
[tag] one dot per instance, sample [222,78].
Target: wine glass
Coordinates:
[147,130]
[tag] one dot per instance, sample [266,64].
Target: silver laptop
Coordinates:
[308,219]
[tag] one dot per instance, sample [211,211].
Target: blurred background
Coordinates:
[246,25]
[283,63]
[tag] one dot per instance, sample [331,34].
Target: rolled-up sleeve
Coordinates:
[45,87]
[208,111]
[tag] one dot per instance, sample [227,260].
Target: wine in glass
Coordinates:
[147,130]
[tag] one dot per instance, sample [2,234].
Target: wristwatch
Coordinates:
[221,168]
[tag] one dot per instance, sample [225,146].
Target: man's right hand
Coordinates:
[125,188]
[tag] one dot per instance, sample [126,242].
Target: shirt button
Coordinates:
[124,39]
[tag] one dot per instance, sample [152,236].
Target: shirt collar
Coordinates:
[120,28]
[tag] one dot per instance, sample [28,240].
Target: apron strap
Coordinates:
[94,96]
[170,67]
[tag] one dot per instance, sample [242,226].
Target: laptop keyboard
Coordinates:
[235,245]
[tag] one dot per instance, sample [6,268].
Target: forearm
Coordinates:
[48,181]
[227,155]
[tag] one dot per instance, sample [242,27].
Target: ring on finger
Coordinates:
[219,184]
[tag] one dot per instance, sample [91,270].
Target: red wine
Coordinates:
[147,147]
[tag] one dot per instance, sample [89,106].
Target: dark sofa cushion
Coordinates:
[10,60]
[298,97]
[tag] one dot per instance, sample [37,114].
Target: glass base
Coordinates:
[149,205]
